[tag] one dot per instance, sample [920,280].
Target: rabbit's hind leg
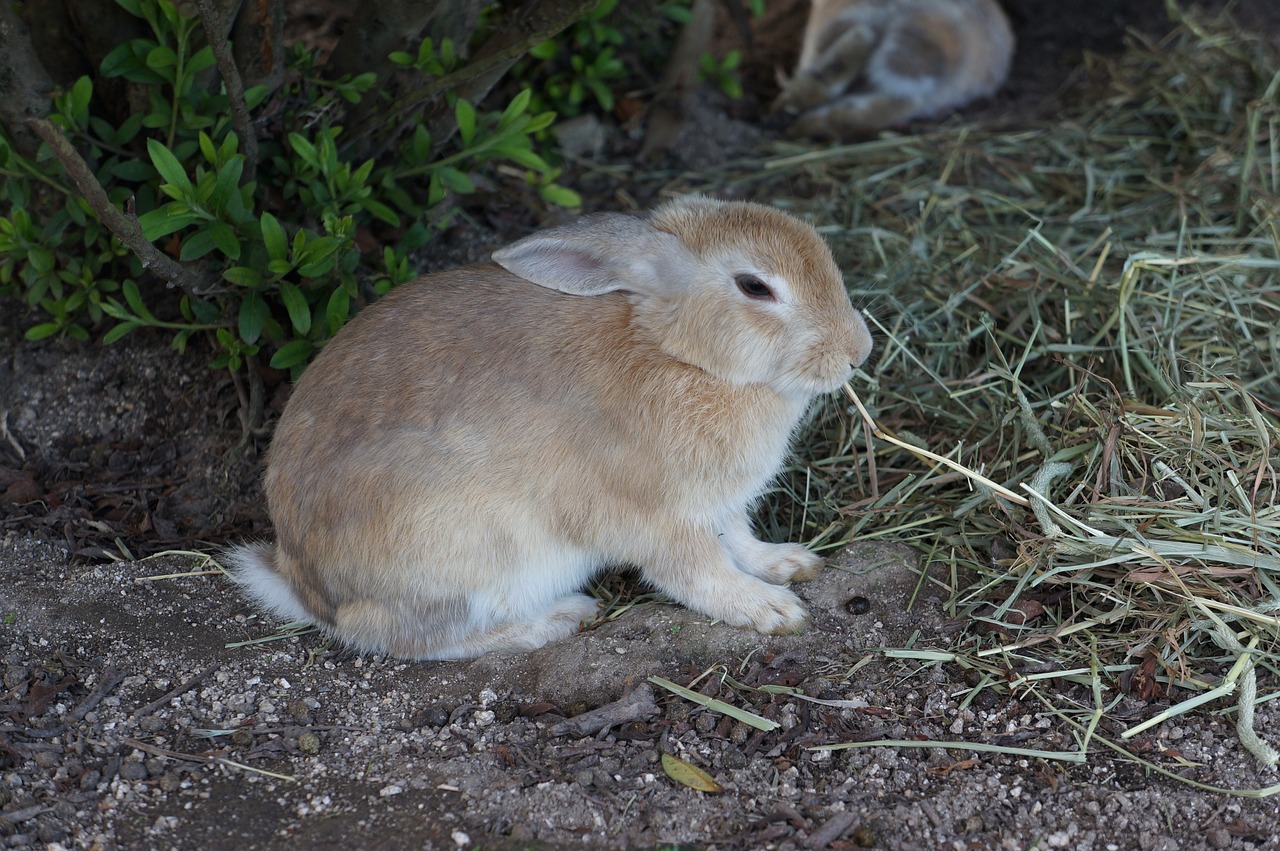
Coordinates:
[561,620]
[834,71]
[855,116]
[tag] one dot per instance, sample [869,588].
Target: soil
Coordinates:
[139,707]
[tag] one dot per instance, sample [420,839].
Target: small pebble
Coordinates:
[309,743]
[1218,837]
[133,771]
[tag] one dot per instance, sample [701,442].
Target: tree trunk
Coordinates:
[25,86]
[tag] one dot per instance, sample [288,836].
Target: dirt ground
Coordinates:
[134,715]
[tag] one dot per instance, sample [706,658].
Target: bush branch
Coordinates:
[532,24]
[123,225]
[214,26]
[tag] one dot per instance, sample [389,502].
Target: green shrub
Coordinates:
[278,251]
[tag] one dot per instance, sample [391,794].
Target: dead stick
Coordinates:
[123,225]
[524,30]
[235,87]
[636,705]
[176,692]
[204,760]
[107,681]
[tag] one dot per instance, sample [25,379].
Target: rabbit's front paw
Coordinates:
[778,613]
[788,563]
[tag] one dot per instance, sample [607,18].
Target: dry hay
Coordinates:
[1086,311]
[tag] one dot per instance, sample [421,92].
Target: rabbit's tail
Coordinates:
[252,566]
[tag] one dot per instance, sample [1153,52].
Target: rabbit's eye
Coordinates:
[753,287]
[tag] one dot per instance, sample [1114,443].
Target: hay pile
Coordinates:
[1086,312]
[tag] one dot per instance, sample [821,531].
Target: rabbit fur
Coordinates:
[866,65]
[466,453]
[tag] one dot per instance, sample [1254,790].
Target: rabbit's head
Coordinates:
[739,290]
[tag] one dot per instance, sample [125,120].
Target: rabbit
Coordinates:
[468,451]
[866,65]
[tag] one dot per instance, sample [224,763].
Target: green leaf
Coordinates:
[81,93]
[119,331]
[135,171]
[228,180]
[134,299]
[161,56]
[518,105]
[292,354]
[540,122]
[253,315]
[42,331]
[225,238]
[41,259]
[465,114]
[168,166]
[544,51]
[255,95]
[128,129]
[305,150]
[162,222]
[338,309]
[243,276]
[126,61]
[133,7]
[202,60]
[317,258]
[689,775]
[526,158]
[197,245]
[205,311]
[296,304]
[319,267]
[420,144]
[380,211]
[561,196]
[279,267]
[274,237]
[456,181]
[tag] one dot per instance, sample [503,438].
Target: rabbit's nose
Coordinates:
[860,343]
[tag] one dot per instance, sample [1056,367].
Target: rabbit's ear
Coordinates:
[599,254]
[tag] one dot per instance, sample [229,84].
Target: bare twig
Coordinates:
[832,829]
[190,757]
[107,682]
[123,225]
[636,705]
[240,118]
[528,27]
[182,689]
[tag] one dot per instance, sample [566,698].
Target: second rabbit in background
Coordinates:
[866,65]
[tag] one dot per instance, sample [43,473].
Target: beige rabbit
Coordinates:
[870,64]
[467,452]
